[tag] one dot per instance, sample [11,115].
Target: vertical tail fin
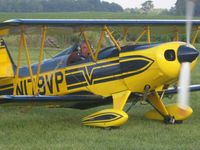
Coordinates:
[6,62]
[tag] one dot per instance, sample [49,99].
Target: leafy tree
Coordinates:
[57,6]
[172,11]
[147,6]
[180,7]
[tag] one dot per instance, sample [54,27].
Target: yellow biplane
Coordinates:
[108,74]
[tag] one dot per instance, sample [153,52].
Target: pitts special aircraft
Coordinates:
[108,75]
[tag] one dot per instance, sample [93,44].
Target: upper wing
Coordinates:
[157,26]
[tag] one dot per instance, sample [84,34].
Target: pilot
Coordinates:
[81,53]
[84,50]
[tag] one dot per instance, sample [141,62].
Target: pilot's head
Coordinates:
[84,49]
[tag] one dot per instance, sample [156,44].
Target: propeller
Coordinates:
[186,54]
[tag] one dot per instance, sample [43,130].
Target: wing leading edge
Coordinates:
[92,22]
[13,26]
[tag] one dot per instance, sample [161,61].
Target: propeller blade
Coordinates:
[184,82]
[190,5]
[184,78]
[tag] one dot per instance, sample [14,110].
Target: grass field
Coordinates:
[80,15]
[41,128]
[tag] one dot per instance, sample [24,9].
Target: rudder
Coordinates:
[6,62]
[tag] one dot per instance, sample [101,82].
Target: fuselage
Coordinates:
[132,68]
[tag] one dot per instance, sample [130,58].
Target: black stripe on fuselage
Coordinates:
[106,71]
[74,78]
[89,73]
[77,86]
[133,65]
[134,73]
[6,86]
[129,48]
[79,77]
[137,63]
[110,73]
[93,65]
[135,56]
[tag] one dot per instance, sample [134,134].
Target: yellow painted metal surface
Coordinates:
[156,101]
[146,30]
[40,58]
[112,38]
[6,68]
[106,118]
[99,44]
[148,34]
[158,71]
[195,35]
[120,99]
[28,61]
[139,37]
[6,81]
[18,65]
[173,110]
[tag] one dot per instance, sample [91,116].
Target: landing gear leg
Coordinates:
[170,114]
[161,111]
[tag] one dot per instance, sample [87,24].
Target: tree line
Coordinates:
[57,6]
[90,5]
[179,9]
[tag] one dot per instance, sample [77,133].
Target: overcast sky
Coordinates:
[137,3]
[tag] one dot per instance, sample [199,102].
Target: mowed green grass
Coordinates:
[42,128]
[81,15]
